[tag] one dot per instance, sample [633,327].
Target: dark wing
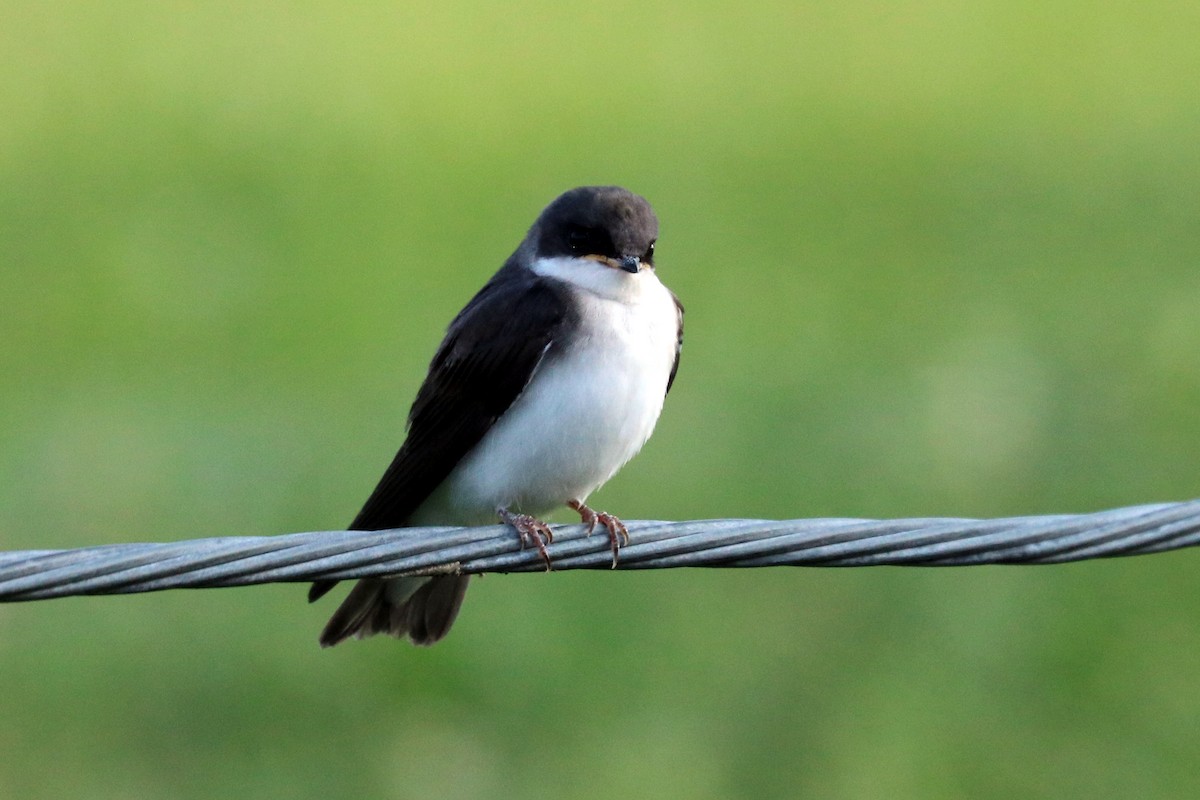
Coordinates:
[678,341]
[489,354]
[487,358]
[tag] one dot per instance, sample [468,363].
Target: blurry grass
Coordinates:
[937,259]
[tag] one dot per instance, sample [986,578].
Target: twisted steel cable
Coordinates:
[943,542]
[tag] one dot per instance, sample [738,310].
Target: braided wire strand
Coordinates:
[943,542]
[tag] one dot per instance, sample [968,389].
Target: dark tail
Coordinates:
[422,609]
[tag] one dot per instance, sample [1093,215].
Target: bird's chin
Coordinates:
[631,265]
[590,275]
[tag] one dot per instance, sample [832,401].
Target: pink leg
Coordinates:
[618,534]
[531,530]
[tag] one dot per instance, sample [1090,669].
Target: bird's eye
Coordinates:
[649,253]
[577,239]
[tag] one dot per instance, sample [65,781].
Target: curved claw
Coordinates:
[618,534]
[530,530]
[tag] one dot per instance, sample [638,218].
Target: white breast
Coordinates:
[586,411]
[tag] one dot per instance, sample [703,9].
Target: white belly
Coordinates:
[582,417]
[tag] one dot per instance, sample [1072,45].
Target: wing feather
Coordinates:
[490,352]
[678,341]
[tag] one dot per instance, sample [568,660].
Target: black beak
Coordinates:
[631,264]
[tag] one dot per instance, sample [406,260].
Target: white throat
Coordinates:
[599,279]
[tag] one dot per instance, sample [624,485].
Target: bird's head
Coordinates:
[604,225]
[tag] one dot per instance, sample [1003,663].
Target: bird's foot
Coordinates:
[618,534]
[531,530]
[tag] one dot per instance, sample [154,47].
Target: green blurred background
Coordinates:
[938,259]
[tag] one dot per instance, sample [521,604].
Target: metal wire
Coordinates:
[239,561]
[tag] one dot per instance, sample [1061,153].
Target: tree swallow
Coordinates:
[547,382]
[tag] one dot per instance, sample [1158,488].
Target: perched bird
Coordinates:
[548,381]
